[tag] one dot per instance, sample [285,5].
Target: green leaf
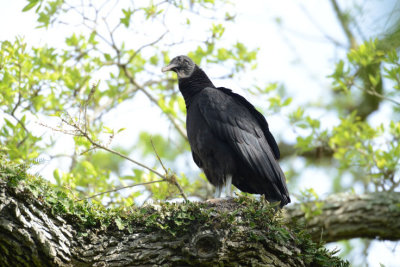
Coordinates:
[32,3]
[127,17]
[120,224]
[108,130]
[57,177]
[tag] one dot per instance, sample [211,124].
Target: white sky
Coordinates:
[298,56]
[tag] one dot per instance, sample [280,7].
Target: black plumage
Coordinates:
[229,138]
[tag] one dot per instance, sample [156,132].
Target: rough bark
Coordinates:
[345,216]
[31,235]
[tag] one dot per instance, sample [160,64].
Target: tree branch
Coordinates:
[166,177]
[345,216]
[318,152]
[178,127]
[120,188]
[344,22]
[187,234]
[78,131]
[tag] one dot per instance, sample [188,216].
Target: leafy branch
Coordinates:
[81,129]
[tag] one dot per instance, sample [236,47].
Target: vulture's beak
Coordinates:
[169,67]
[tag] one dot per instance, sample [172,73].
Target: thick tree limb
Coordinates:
[345,216]
[31,235]
[318,153]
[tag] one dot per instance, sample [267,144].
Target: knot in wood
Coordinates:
[205,244]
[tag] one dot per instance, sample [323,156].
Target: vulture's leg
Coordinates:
[218,190]
[228,186]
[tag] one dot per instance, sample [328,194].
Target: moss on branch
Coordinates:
[240,231]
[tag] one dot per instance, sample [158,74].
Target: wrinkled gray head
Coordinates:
[182,65]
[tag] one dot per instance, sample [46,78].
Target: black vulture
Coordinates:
[230,140]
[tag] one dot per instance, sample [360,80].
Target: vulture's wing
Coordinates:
[262,122]
[235,121]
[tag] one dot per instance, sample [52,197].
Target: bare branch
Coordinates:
[178,127]
[345,24]
[375,93]
[146,45]
[158,157]
[317,24]
[171,178]
[180,130]
[78,131]
[120,188]
[98,145]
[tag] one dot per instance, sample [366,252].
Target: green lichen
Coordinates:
[175,219]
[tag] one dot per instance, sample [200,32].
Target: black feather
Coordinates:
[228,136]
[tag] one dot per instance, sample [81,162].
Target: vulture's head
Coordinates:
[182,65]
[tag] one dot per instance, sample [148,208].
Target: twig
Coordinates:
[317,24]
[120,188]
[170,178]
[154,100]
[345,24]
[97,145]
[372,91]
[158,157]
[146,45]
[375,93]
[170,117]
[78,131]
[86,104]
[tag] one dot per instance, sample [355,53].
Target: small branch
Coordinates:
[78,131]
[170,178]
[345,24]
[317,24]
[27,132]
[158,157]
[120,188]
[19,102]
[319,152]
[86,104]
[154,100]
[97,145]
[370,91]
[180,130]
[16,104]
[146,45]
[375,93]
